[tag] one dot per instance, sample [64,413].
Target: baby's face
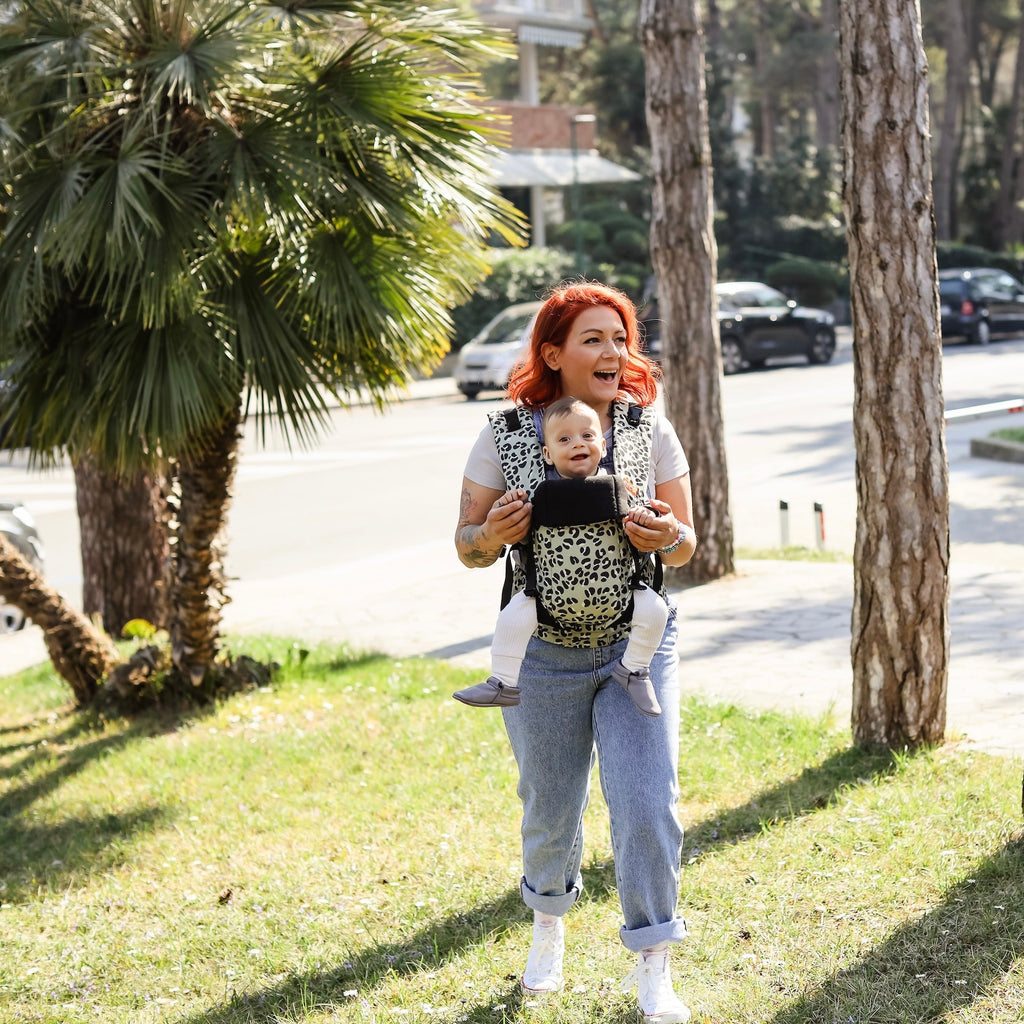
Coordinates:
[573,444]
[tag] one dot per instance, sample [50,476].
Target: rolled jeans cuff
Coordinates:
[557,906]
[653,934]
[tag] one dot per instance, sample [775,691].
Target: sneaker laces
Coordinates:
[653,980]
[544,964]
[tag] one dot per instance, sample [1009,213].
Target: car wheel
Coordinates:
[982,333]
[732,356]
[470,393]
[823,346]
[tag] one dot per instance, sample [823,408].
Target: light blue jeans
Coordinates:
[570,712]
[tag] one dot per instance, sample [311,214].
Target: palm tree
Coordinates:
[81,655]
[227,208]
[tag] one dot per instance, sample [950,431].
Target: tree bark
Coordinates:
[198,586]
[826,99]
[900,627]
[81,654]
[684,257]
[1008,218]
[124,544]
[947,156]
[763,48]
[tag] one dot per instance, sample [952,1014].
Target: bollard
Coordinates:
[783,524]
[819,524]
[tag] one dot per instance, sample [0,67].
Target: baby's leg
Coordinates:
[632,672]
[650,614]
[517,622]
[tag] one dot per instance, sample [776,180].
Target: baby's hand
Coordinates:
[641,515]
[509,496]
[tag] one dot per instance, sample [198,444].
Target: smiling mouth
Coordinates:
[606,374]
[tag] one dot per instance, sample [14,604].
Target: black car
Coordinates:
[977,302]
[757,323]
[18,526]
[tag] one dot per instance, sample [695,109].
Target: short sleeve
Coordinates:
[483,466]
[667,456]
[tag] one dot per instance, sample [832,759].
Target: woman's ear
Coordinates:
[551,355]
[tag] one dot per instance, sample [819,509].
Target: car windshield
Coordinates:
[507,329]
[745,296]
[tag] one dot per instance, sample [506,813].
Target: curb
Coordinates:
[995,448]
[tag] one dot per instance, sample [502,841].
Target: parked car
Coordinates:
[18,526]
[978,302]
[486,362]
[757,323]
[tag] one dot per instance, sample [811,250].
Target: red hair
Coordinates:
[535,385]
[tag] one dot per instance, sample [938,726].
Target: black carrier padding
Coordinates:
[580,501]
[512,421]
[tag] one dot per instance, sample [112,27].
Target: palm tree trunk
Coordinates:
[81,654]
[198,590]
[125,550]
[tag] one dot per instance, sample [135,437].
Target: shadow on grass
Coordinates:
[930,969]
[61,850]
[428,949]
[812,790]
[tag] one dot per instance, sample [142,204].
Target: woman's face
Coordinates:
[591,360]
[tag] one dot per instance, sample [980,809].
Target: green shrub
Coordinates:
[810,282]
[517,275]
[953,254]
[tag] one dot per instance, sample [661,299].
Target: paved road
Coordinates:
[775,635]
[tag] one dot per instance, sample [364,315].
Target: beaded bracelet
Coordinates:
[680,537]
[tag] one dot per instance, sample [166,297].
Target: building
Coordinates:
[549,146]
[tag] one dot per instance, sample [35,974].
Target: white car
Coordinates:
[485,363]
[18,526]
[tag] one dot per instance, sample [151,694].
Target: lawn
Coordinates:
[343,846]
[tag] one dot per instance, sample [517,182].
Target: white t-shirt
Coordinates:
[668,461]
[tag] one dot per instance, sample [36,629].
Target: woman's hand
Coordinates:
[488,520]
[649,531]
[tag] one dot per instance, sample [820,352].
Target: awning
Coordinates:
[548,36]
[515,168]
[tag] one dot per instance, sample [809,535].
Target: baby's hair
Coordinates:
[563,407]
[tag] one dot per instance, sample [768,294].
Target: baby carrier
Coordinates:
[577,560]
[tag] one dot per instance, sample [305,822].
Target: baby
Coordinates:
[574,445]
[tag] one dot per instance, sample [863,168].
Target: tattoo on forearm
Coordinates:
[467,537]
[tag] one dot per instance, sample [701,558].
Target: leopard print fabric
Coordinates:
[583,571]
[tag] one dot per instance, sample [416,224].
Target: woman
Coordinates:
[585,344]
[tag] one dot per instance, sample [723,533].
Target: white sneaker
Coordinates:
[658,1003]
[544,964]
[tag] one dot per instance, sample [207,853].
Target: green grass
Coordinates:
[1010,434]
[343,846]
[794,553]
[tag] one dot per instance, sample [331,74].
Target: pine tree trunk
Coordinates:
[81,655]
[946,157]
[197,582]
[684,257]
[125,548]
[826,99]
[1008,216]
[900,641]
[763,51]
